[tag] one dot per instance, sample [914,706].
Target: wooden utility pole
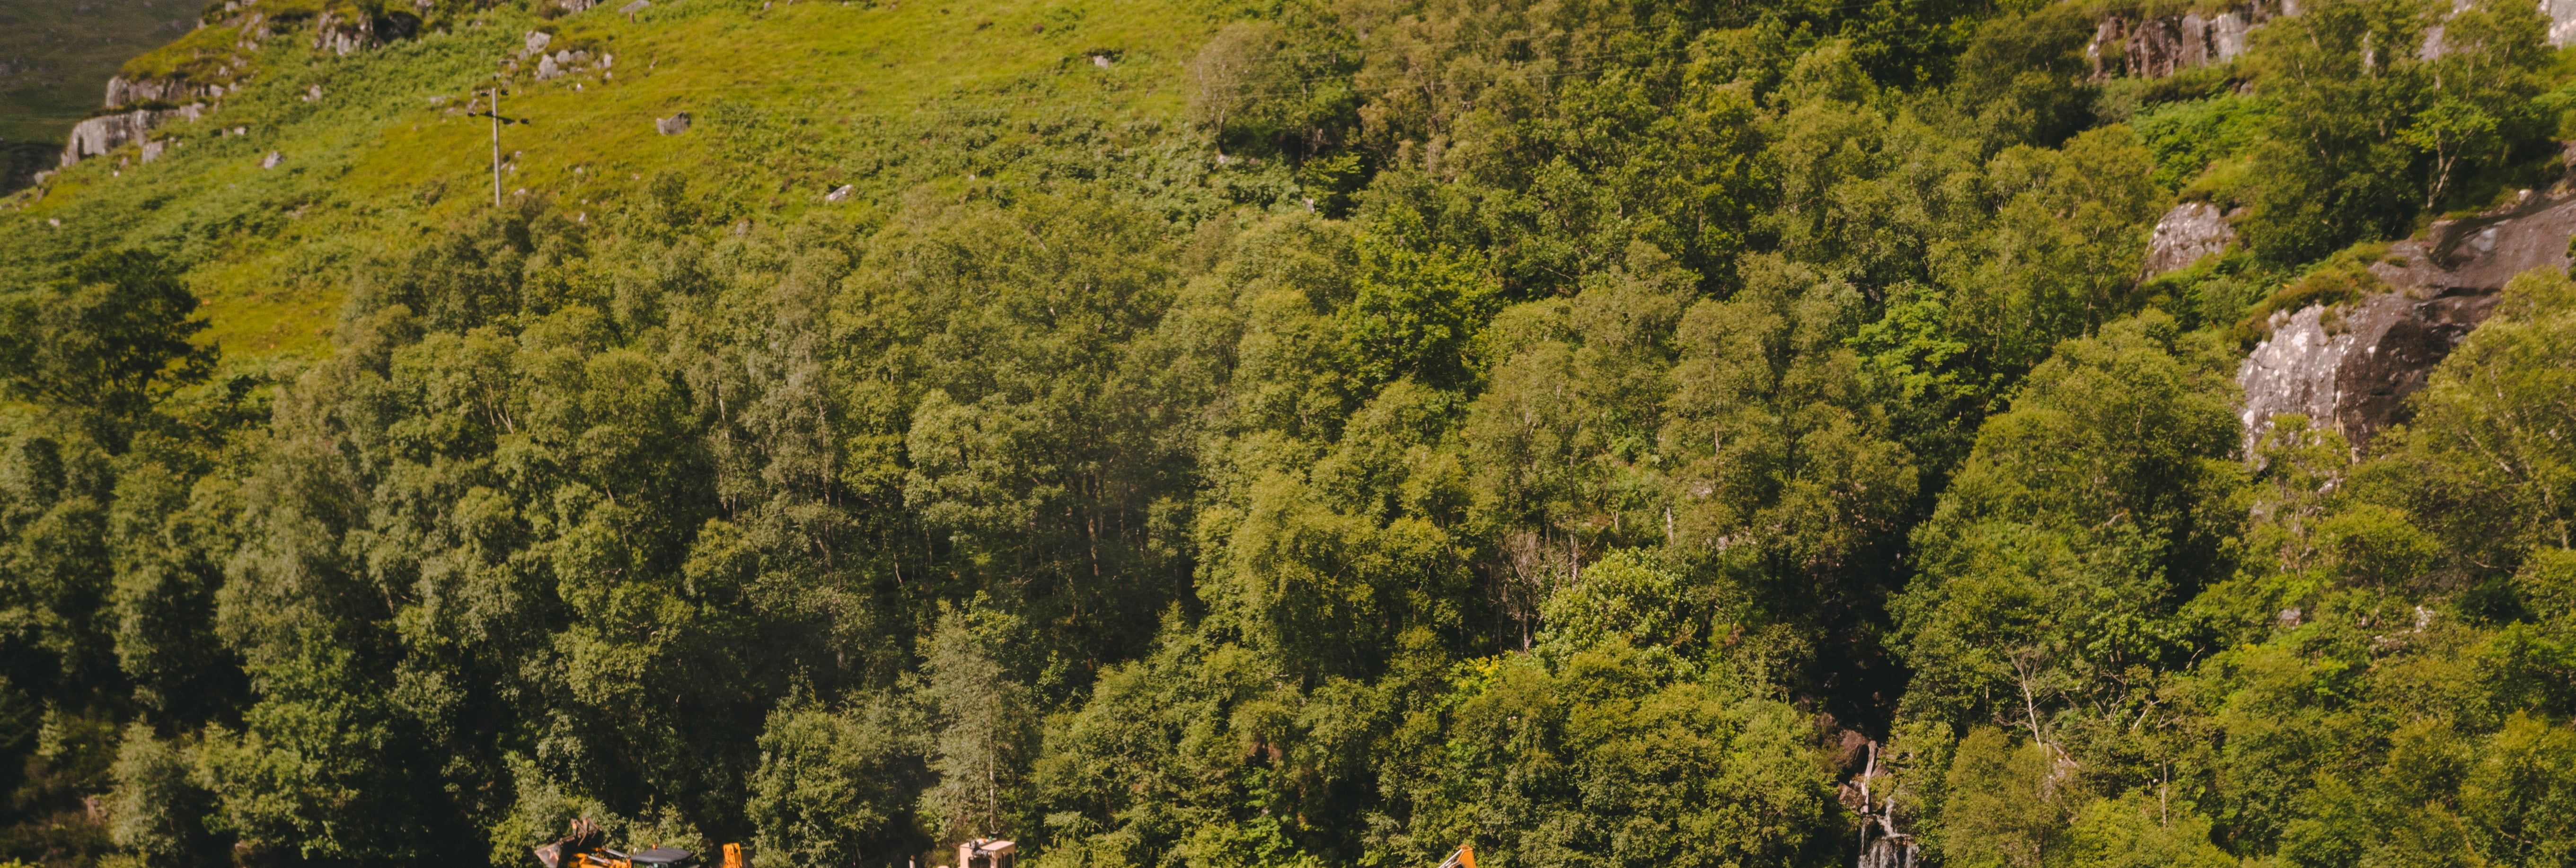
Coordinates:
[496,140]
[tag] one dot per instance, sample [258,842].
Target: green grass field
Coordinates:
[789,99]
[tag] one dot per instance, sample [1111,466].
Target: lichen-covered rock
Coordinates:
[546,68]
[2483,252]
[122,91]
[2185,234]
[2351,369]
[99,135]
[2158,47]
[2227,36]
[2351,366]
[344,35]
[2562,21]
[536,42]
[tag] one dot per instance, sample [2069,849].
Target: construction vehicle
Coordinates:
[585,846]
[987,853]
[1463,857]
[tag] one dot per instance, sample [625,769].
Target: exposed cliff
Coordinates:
[2155,46]
[100,135]
[2351,366]
[122,91]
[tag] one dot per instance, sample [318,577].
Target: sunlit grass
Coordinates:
[788,102]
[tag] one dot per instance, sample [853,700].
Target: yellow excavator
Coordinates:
[1464,857]
[584,846]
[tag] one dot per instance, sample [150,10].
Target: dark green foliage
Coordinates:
[105,345]
[1601,432]
[2187,137]
[2366,133]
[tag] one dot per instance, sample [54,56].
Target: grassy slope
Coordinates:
[59,54]
[789,101]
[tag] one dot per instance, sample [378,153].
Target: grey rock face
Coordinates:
[2158,47]
[344,36]
[2185,234]
[2562,21]
[536,42]
[2352,367]
[546,68]
[122,92]
[2351,370]
[2227,36]
[673,125]
[99,135]
[2481,253]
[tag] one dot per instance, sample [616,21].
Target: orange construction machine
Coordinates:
[585,846]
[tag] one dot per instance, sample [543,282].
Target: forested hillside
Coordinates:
[1296,433]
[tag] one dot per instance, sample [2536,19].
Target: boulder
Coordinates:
[2185,234]
[673,125]
[99,135]
[2350,367]
[536,42]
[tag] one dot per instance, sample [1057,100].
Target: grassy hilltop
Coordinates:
[790,101]
[55,58]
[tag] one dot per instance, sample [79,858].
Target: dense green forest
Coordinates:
[1608,432]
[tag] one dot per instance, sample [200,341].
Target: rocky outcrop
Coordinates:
[2161,46]
[2185,234]
[349,34]
[2351,369]
[2155,47]
[147,100]
[2351,366]
[122,91]
[99,135]
[2481,253]
[2562,21]
[563,63]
